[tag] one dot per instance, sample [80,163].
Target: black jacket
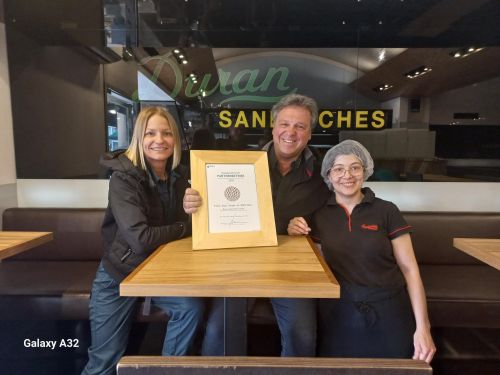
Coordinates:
[303,196]
[134,223]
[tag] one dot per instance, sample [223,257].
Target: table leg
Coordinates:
[235,326]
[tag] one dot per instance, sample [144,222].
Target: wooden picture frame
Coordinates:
[203,236]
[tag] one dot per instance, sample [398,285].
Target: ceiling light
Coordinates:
[381,55]
[418,72]
[464,52]
[384,87]
[112,111]
[180,56]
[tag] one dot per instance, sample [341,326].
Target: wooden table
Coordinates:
[12,243]
[484,249]
[292,269]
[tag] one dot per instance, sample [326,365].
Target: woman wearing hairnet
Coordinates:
[382,310]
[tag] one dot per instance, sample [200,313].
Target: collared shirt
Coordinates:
[277,179]
[300,192]
[357,246]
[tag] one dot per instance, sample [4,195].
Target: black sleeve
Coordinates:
[129,212]
[312,221]
[396,224]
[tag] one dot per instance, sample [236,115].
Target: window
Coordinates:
[120,116]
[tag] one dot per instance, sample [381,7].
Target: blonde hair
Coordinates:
[135,151]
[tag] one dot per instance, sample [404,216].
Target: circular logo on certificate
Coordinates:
[232,193]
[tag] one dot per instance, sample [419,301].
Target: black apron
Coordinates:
[367,322]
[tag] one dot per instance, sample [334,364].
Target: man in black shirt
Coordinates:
[297,190]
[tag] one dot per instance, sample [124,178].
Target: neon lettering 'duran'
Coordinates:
[244,83]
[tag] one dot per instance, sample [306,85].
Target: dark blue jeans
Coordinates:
[111,319]
[296,320]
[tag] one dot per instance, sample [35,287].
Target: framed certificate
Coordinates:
[237,208]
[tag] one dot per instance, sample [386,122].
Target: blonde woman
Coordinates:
[144,211]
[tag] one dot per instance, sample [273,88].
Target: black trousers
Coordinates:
[367,322]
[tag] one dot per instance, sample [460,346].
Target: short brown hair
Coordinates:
[297,100]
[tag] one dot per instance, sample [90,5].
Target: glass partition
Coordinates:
[120,116]
[417,82]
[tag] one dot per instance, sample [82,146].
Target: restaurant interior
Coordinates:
[416,82]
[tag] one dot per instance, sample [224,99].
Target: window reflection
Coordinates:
[119,120]
[430,68]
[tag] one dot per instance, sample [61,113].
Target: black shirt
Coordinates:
[300,192]
[280,182]
[167,193]
[358,247]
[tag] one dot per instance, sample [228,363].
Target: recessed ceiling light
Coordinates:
[464,52]
[381,55]
[383,87]
[418,72]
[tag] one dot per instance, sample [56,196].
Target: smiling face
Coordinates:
[158,143]
[291,132]
[347,186]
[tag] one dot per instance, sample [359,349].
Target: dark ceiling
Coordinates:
[263,23]
[324,23]
[428,29]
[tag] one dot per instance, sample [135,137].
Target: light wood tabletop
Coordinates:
[484,249]
[12,243]
[292,269]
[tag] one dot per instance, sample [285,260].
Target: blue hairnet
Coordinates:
[347,147]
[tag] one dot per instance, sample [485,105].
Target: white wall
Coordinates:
[7,158]
[480,97]
[409,196]
[8,192]
[422,116]
[395,106]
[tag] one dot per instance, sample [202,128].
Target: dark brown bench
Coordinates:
[54,279]
[461,290]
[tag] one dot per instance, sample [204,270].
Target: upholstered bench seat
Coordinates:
[462,295]
[55,279]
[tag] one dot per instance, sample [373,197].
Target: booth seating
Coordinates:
[54,279]
[461,290]
[51,281]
